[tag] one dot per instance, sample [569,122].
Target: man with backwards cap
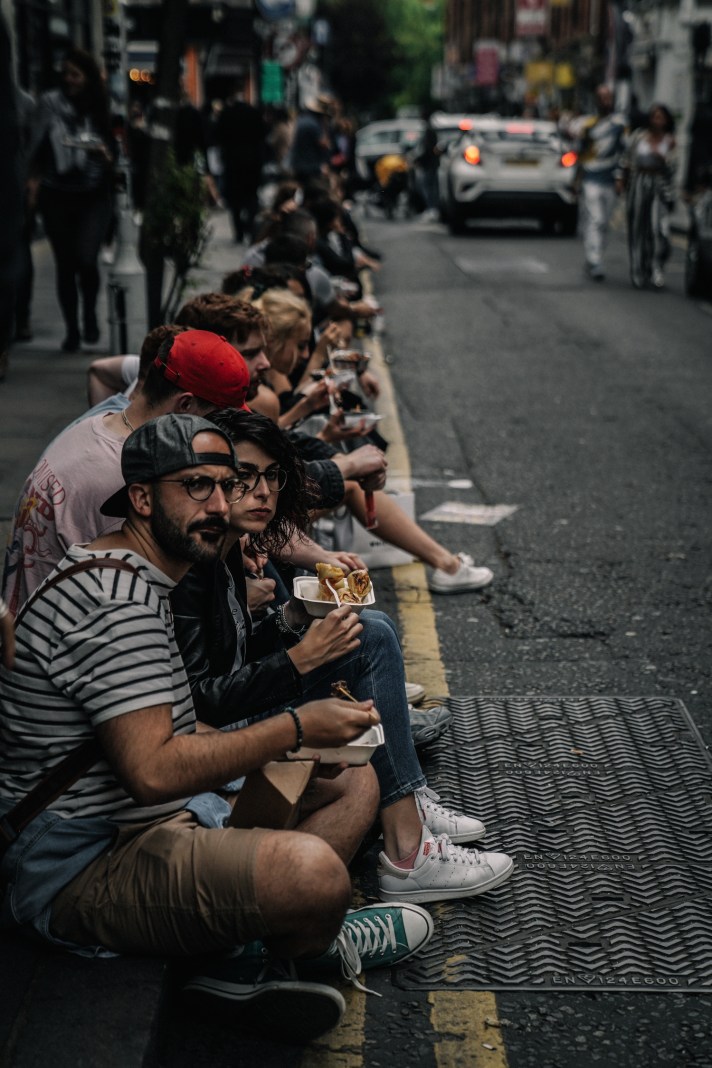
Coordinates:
[135,857]
[195,373]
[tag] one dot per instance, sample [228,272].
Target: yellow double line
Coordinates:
[464,1023]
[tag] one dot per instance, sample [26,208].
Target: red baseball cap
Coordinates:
[207,365]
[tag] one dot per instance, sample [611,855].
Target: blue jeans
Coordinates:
[375,670]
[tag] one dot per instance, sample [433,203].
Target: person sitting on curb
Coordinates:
[289,320]
[236,676]
[194,372]
[135,856]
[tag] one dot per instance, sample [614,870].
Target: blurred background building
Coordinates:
[512,56]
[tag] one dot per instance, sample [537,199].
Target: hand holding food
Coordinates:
[327,639]
[333,722]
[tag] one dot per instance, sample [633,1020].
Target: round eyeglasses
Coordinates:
[202,487]
[249,476]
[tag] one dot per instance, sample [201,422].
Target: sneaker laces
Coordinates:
[455,853]
[346,948]
[466,559]
[428,801]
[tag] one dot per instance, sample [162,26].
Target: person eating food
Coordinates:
[238,675]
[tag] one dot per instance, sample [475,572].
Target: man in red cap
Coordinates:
[197,372]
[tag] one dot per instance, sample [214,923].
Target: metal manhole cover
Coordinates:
[606,803]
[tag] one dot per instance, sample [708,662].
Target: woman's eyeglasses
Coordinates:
[249,476]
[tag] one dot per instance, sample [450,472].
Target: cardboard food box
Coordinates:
[271,795]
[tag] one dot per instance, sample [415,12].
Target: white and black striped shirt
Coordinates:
[97,645]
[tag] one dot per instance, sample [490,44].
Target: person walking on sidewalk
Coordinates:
[136,856]
[600,150]
[649,168]
[240,134]
[72,163]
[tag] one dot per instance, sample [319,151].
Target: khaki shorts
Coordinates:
[169,888]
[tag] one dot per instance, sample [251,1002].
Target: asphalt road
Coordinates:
[587,406]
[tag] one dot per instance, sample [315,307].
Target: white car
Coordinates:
[390,137]
[510,168]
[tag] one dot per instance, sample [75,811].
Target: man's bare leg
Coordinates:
[304,890]
[301,880]
[341,810]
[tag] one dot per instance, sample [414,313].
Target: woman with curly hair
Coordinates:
[237,676]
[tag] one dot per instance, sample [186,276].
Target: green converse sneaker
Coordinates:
[253,990]
[377,936]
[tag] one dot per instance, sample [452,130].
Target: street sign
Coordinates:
[532,18]
[486,55]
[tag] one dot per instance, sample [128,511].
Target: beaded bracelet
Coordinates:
[298,724]
[285,628]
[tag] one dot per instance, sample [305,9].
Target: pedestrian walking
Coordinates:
[10,232]
[26,115]
[240,135]
[649,169]
[601,145]
[72,163]
[311,147]
[426,165]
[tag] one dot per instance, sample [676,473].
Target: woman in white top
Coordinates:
[649,175]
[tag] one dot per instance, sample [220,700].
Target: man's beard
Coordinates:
[179,544]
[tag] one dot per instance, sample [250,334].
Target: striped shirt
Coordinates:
[97,646]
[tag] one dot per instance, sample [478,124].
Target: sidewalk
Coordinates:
[55,1008]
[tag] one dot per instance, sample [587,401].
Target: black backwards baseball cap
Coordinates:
[159,447]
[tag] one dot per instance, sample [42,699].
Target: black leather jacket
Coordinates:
[207,638]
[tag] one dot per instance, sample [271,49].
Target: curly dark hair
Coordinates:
[300,492]
[222,314]
[669,117]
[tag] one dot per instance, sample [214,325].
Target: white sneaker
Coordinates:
[467,577]
[658,278]
[414,693]
[442,871]
[440,820]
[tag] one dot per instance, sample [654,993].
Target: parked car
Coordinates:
[389,137]
[698,259]
[510,168]
[449,127]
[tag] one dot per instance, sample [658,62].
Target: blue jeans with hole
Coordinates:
[375,670]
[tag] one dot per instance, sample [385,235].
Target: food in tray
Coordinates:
[349,359]
[359,583]
[353,588]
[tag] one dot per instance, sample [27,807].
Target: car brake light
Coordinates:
[472,154]
[465,124]
[569,159]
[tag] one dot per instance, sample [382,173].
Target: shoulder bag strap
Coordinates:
[78,760]
[84,565]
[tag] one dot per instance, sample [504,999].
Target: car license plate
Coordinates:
[520,161]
